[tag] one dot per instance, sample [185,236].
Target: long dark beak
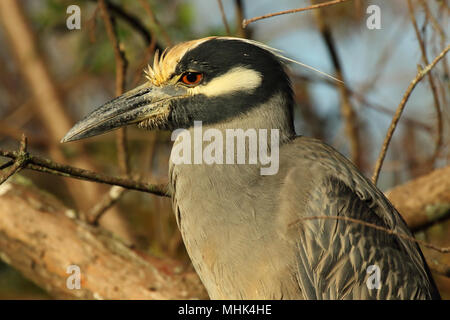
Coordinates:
[139,104]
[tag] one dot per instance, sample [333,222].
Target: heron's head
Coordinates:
[212,80]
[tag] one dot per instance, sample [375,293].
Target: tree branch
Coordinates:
[132,21]
[39,238]
[41,164]
[433,87]
[121,62]
[121,67]
[224,17]
[422,73]
[246,22]
[347,111]
[424,201]
[155,21]
[19,162]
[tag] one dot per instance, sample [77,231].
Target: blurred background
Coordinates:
[73,72]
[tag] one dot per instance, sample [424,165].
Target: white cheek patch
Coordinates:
[236,80]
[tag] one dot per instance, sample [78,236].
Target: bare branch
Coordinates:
[40,238]
[121,62]
[422,73]
[48,166]
[241,30]
[224,17]
[347,111]
[423,201]
[121,66]
[433,87]
[246,22]
[110,199]
[155,21]
[131,20]
[19,162]
[365,103]
[6,164]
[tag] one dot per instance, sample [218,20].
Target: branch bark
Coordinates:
[40,237]
[423,201]
[48,166]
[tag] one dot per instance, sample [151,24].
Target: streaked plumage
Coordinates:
[243,231]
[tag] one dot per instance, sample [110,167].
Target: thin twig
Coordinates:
[246,22]
[441,33]
[113,196]
[121,141]
[155,21]
[377,227]
[15,132]
[121,65]
[41,164]
[6,164]
[433,87]
[390,46]
[434,22]
[19,162]
[115,193]
[364,102]
[224,17]
[241,30]
[422,73]
[92,24]
[131,20]
[443,38]
[347,111]
[387,111]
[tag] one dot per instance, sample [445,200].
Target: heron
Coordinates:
[251,235]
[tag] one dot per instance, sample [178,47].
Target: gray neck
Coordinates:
[251,136]
[274,114]
[214,204]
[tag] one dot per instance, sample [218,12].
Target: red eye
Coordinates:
[192,78]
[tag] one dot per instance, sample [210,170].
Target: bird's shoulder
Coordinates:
[334,254]
[320,166]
